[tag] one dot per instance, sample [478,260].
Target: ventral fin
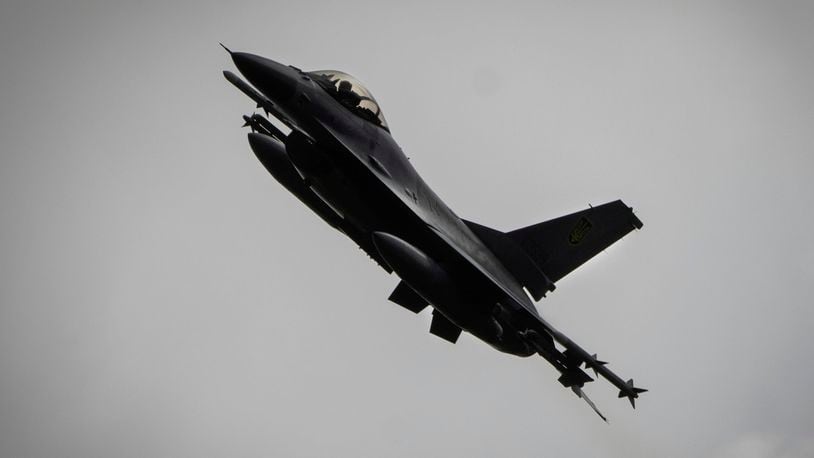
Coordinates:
[443,328]
[406,297]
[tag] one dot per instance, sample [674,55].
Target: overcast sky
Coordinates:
[162,296]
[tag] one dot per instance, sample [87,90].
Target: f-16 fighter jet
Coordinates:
[340,160]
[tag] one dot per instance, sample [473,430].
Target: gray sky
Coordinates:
[162,296]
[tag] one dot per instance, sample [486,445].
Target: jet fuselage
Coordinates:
[329,146]
[341,161]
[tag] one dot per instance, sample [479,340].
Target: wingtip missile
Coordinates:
[245,88]
[261,100]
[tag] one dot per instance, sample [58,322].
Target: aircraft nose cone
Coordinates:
[275,80]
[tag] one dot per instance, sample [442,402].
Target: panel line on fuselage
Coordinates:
[445,229]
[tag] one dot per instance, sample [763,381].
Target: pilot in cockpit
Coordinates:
[346,95]
[351,94]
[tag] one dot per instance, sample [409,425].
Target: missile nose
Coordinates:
[277,81]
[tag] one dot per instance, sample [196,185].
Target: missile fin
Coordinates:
[631,392]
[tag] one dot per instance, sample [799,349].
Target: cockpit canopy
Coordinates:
[352,94]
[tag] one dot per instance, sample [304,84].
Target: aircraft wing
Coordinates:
[560,245]
[514,295]
[497,277]
[606,224]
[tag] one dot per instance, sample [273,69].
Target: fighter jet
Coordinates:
[341,161]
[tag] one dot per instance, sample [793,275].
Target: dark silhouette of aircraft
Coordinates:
[341,161]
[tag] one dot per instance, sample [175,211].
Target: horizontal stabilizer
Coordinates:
[561,245]
[406,297]
[443,328]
